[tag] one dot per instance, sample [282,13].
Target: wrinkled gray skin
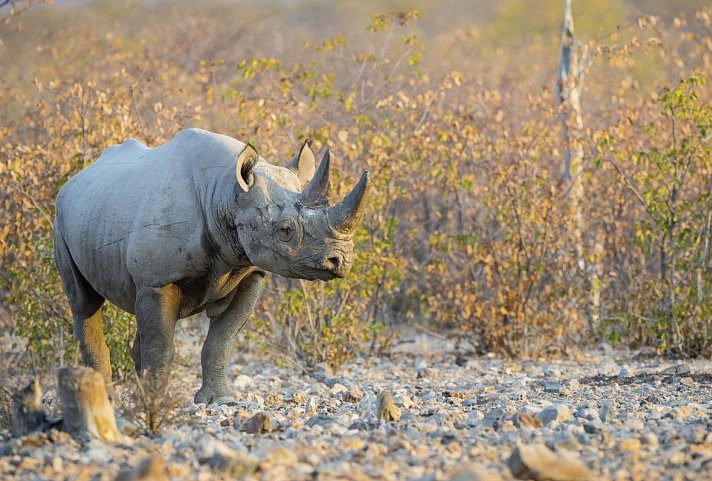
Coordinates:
[191,226]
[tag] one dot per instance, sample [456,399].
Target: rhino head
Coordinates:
[284,222]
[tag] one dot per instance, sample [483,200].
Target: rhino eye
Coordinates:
[285,232]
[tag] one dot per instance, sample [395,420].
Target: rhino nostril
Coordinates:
[333,263]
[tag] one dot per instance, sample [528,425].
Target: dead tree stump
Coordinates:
[85,405]
[27,412]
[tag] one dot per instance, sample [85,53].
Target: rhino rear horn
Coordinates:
[246,163]
[344,217]
[317,191]
[303,164]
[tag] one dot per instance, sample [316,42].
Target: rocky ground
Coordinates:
[600,415]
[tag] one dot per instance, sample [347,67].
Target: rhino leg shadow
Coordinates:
[224,325]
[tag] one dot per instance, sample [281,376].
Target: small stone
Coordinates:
[573,385]
[427,373]
[679,369]
[461,361]
[150,469]
[688,381]
[231,463]
[295,413]
[558,412]
[405,401]
[608,367]
[473,418]
[322,420]
[312,404]
[493,419]
[607,412]
[526,420]
[260,423]
[593,427]
[552,387]
[682,412]
[563,441]
[366,407]
[323,370]
[353,395]
[538,462]
[650,440]
[625,373]
[385,409]
[630,445]
[338,388]
[243,382]
[281,456]
[299,398]
[474,472]
[589,414]
[128,428]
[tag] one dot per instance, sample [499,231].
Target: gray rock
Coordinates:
[563,441]
[473,472]
[474,418]
[558,412]
[337,388]
[353,395]
[493,419]
[593,427]
[552,387]
[679,369]
[539,463]
[322,420]
[688,382]
[625,372]
[260,423]
[608,367]
[311,407]
[150,469]
[607,412]
[232,464]
[526,420]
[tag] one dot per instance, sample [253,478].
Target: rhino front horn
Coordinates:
[345,216]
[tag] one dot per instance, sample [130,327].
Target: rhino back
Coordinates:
[136,216]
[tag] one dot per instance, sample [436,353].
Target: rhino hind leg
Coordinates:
[224,324]
[86,305]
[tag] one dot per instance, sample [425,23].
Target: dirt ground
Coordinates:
[599,415]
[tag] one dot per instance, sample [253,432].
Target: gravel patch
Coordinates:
[427,412]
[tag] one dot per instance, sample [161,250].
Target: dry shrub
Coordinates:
[153,404]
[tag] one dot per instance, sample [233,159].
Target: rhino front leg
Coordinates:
[156,316]
[224,324]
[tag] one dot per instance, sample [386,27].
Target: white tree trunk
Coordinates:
[568,95]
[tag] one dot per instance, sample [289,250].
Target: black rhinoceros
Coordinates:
[193,225]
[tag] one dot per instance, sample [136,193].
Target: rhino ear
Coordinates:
[303,164]
[246,163]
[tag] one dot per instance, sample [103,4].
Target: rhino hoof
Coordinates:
[208,397]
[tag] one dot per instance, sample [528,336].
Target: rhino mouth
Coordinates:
[324,275]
